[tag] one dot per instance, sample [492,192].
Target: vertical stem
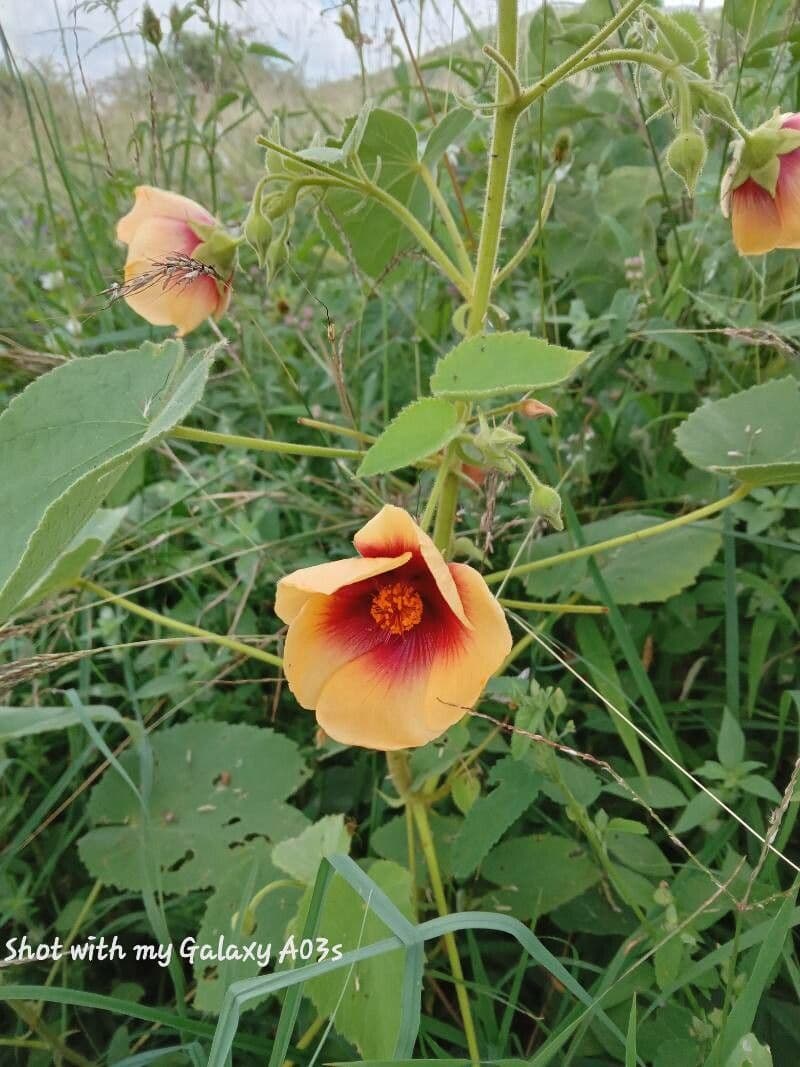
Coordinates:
[505,120]
[448,503]
[420,813]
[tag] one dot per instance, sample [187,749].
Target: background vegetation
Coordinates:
[644,888]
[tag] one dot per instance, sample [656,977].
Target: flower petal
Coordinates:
[152,202]
[295,589]
[365,704]
[316,648]
[461,670]
[393,530]
[787,197]
[161,303]
[755,219]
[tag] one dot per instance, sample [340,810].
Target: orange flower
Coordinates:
[762,189]
[180,262]
[390,648]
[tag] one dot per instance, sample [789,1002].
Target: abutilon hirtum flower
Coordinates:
[180,261]
[391,647]
[761,191]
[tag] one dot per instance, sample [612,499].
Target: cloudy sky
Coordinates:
[304,29]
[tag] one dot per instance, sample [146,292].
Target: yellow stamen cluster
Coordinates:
[397,608]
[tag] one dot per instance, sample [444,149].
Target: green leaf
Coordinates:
[638,572]
[69,436]
[533,873]
[256,48]
[500,363]
[216,785]
[364,1001]
[749,1052]
[638,852]
[418,431]
[667,961]
[516,789]
[730,743]
[389,153]
[249,869]
[753,436]
[448,130]
[69,566]
[22,722]
[657,792]
[301,856]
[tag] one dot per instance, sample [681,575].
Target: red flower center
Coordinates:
[397,608]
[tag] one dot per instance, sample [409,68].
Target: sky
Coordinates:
[304,29]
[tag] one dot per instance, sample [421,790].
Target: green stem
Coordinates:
[563,70]
[450,224]
[615,542]
[547,607]
[259,444]
[433,499]
[448,504]
[180,627]
[527,244]
[400,211]
[420,813]
[505,120]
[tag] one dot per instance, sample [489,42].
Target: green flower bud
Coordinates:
[687,156]
[257,232]
[545,503]
[218,249]
[150,27]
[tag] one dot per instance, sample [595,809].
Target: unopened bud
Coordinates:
[150,28]
[258,234]
[687,156]
[545,503]
[534,409]
[562,147]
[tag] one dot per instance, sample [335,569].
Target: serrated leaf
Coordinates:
[638,572]
[419,430]
[69,436]
[301,856]
[216,785]
[500,363]
[364,1002]
[516,789]
[539,873]
[753,436]
[22,722]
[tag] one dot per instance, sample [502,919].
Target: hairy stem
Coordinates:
[260,444]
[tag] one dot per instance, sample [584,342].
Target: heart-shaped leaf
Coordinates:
[69,436]
[500,363]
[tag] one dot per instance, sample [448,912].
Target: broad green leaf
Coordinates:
[538,873]
[448,130]
[637,572]
[22,722]
[753,435]
[500,363]
[654,791]
[418,431]
[216,786]
[301,856]
[249,870]
[389,153]
[69,436]
[516,788]
[667,961]
[366,1000]
[749,1052]
[639,853]
[69,566]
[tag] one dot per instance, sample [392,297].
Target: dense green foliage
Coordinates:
[182,779]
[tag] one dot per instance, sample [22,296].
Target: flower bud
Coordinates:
[562,147]
[545,503]
[534,409]
[150,27]
[257,232]
[687,156]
